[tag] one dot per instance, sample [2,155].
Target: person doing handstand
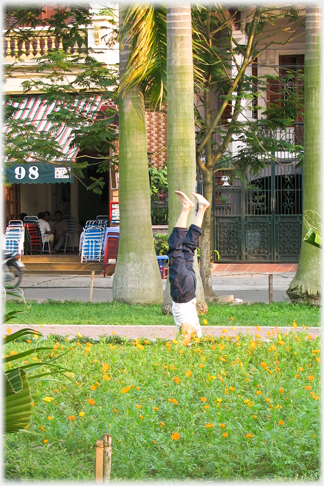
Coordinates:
[182,246]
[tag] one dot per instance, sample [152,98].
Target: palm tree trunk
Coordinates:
[137,278]
[180,126]
[306,286]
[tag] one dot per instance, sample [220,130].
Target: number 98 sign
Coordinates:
[21,172]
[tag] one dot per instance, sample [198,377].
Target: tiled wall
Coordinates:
[156,127]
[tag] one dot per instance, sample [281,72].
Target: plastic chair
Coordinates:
[69,234]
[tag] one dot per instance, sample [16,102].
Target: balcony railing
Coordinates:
[38,44]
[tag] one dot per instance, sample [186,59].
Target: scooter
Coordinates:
[12,268]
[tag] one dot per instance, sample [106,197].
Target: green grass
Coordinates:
[115,313]
[264,396]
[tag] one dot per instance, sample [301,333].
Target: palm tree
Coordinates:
[137,277]
[306,285]
[181,150]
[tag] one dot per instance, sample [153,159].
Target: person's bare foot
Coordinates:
[201,200]
[185,201]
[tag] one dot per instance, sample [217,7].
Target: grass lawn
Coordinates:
[222,409]
[54,312]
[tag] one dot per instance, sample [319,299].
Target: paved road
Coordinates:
[248,287]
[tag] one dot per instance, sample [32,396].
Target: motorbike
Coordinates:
[12,268]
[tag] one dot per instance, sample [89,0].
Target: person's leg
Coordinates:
[203,204]
[178,234]
[59,243]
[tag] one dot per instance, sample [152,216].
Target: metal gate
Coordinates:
[259,219]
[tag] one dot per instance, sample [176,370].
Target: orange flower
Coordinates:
[248,435]
[91,401]
[115,410]
[232,388]
[281,422]
[176,379]
[45,441]
[308,387]
[258,392]
[225,434]
[188,373]
[203,399]
[141,417]
[222,425]
[311,378]
[155,408]
[281,390]
[93,387]
[201,365]
[175,436]
[161,424]
[71,417]
[232,318]
[106,377]
[209,426]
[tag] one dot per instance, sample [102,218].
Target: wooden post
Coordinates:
[91,286]
[106,439]
[99,461]
[270,288]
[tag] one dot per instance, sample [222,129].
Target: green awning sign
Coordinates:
[41,173]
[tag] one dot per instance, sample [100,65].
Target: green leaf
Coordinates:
[18,408]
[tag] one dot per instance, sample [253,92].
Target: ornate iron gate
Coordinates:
[259,219]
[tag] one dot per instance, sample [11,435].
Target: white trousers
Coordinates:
[186,313]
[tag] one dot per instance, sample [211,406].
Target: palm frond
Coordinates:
[313,223]
[144,32]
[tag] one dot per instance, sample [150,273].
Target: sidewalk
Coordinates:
[253,268]
[161,332]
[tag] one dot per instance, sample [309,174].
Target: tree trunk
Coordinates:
[180,127]
[137,278]
[205,247]
[306,286]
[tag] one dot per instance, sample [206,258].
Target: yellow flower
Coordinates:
[188,373]
[295,325]
[8,330]
[209,426]
[175,341]
[81,414]
[205,322]
[79,334]
[50,418]
[48,399]
[71,417]
[175,436]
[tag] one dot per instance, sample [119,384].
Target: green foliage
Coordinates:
[161,244]
[263,422]
[313,223]
[158,180]
[56,85]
